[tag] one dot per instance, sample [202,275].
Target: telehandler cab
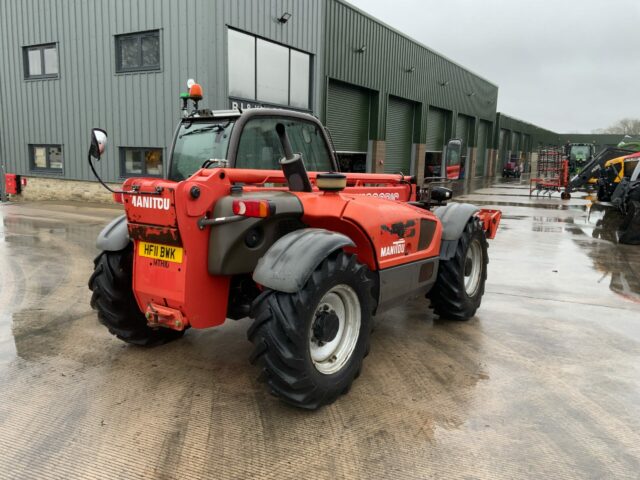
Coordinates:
[241,228]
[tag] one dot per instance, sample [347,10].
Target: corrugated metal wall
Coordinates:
[600,140]
[141,109]
[386,66]
[137,109]
[520,127]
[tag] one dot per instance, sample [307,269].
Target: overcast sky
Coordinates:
[566,65]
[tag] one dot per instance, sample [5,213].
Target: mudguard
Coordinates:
[291,260]
[115,236]
[454,218]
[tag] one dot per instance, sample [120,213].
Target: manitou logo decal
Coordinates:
[401,229]
[396,248]
[151,202]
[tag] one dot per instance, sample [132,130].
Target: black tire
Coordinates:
[603,194]
[112,287]
[448,297]
[565,196]
[283,329]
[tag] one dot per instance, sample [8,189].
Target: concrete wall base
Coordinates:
[67,190]
[378,151]
[420,149]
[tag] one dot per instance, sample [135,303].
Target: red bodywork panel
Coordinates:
[181,293]
[453,172]
[490,221]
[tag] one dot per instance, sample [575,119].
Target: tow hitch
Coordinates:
[159,316]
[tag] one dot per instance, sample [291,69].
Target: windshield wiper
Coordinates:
[216,127]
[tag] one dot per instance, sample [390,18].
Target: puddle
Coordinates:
[45,263]
[546,206]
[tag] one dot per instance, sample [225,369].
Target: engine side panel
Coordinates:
[399,284]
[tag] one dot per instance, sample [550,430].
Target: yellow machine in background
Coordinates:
[626,163]
[612,174]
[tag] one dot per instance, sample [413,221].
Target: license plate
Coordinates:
[160,252]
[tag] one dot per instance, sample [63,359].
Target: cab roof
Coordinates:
[206,114]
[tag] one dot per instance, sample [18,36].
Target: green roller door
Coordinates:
[527,143]
[399,136]
[463,130]
[436,125]
[503,146]
[348,117]
[484,128]
[515,143]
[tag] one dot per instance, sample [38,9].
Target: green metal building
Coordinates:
[391,103]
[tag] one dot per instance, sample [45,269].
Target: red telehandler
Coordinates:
[255,220]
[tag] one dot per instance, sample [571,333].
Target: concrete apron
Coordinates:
[542,383]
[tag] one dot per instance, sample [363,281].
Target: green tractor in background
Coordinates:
[579,154]
[630,143]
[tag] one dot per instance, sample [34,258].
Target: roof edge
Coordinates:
[411,39]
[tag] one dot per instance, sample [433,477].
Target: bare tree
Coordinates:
[625,126]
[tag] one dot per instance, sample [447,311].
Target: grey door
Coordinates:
[503,146]
[436,125]
[463,130]
[484,129]
[348,117]
[400,117]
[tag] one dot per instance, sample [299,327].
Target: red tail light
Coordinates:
[117,197]
[253,208]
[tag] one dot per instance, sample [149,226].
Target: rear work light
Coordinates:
[253,208]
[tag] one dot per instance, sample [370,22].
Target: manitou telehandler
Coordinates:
[241,228]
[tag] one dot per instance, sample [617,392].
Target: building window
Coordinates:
[267,72]
[138,52]
[46,158]
[140,162]
[41,61]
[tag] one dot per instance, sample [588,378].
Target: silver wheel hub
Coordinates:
[335,329]
[473,268]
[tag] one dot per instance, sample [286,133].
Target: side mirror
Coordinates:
[98,142]
[452,157]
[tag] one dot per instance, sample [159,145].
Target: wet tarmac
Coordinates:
[543,383]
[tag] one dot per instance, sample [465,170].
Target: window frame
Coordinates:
[300,122]
[41,47]
[123,162]
[289,48]
[47,169]
[138,36]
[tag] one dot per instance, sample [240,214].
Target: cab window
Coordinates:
[260,148]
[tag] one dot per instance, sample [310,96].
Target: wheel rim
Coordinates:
[473,268]
[330,356]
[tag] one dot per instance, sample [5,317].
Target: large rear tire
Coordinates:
[112,287]
[311,344]
[459,287]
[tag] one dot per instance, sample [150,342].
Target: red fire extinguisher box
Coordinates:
[13,183]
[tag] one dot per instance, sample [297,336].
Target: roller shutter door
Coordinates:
[505,141]
[436,125]
[463,130]
[399,136]
[515,143]
[483,132]
[348,117]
